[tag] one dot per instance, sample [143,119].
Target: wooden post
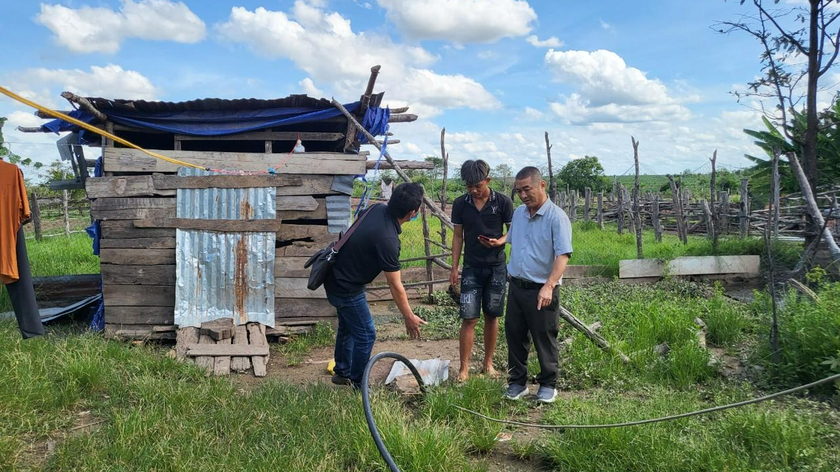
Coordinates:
[552,191]
[712,229]
[676,200]
[723,223]
[743,214]
[812,208]
[563,201]
[600,215]
[774,188]
[587,202]
[428,248]
[35,210]
[619,193]
[637,212]
[573,206]
[445,157]
[372,140]
[707,213]
[654,217]
[65,197]
[628,205]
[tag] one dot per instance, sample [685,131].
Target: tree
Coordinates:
[785,34]
[436,172]
[504,173]
[581,173]
[13,158]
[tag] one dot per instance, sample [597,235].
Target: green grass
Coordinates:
[58,255]
[296,348]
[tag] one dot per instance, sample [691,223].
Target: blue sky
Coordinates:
[495,73]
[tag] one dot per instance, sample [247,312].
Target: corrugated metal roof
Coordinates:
[224,275]
[339,213]
[208,104]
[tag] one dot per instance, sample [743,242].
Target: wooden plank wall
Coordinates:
[138,263]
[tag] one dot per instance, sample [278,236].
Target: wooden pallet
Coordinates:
[221,350]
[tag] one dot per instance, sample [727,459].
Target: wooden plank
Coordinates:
[144,315]
[115,274]
[267,136]
[221,365]
[137,256]
[313,232]
[240,363]
[290,267]
[296,288]
[205,362]
[219,226]
[139,295]
[138,243]
[126,186]
[302,308]
[134,161]
[184,337]
[126,230]
[747,266]
[218,329]
[406,165]
[256,336]
[162,181]
[216,349]
[132,214]
[138,332]
[298,249]
[299,203]
[130,203]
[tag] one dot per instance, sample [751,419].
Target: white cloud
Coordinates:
[608,90]
[310,89]
[324,45]
[551,42]
[461,21]
[532,114]
[102,30]
[487,54]
[605,25]
[110,81]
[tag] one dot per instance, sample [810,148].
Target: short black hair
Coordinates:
[473,172]
[407,197]
[529,172]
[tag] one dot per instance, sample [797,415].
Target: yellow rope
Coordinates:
[94,129]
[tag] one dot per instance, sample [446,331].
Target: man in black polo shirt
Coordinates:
[479,216]
[373,248]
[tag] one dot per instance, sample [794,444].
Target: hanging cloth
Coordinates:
[14,210]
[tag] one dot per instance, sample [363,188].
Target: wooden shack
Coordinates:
[134,199]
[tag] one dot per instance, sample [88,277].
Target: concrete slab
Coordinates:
[746,266]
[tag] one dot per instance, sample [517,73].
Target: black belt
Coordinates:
[526,284]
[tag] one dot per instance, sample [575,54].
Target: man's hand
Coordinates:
[491,242]
[545,296]
[453,277]
[412,325]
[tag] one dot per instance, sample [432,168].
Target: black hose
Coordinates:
[374,431]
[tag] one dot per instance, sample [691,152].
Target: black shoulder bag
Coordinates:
[324,260]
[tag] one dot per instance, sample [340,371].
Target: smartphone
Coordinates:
[483,237]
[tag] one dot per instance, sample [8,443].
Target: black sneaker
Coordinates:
[341,380]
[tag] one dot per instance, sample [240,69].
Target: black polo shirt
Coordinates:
[496,212]
[374,247]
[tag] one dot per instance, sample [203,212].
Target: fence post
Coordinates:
[443,196]
[775,183]
[619,195]
[707,213]
[637,217]
[743,214]
[65,196]
[676,201]
[724,212]
[573,206]
[587,202]
[600,215]
[654,217]
[628,205]
[428,248]
[35,210]
[836,214]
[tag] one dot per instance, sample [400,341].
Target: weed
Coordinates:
[293,351]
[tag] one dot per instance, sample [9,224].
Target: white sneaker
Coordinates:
[515,392]
[546,394]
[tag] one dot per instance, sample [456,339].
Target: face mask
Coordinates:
[414,218]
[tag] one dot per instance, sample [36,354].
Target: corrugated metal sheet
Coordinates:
[209,104]
[343,184]
[338,213]
[224,275]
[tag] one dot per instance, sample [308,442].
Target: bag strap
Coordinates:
[344,237]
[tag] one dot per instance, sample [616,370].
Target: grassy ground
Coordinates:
[158,414]
[596,247]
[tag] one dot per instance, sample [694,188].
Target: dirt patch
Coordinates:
[40,450]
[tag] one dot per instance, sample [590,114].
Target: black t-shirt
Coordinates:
[497,211]
[374,247]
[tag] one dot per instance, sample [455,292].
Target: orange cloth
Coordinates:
[14,210]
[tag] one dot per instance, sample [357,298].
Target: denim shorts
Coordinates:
[483,288]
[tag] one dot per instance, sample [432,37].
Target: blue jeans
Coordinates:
[355,337]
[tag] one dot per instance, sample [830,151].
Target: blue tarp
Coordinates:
[222,122]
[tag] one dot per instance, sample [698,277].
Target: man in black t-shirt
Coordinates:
[373,248]
[479,215]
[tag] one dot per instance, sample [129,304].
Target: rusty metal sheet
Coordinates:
[339,213]
[224,275]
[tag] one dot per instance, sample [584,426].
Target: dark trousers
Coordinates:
[22,294]
[524,322]
[355,336]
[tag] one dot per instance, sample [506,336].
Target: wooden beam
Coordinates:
[266,136]
[296,288]
[117,274]
[138,243]
[137,256]
[131,160]
[85,104]
[129,186]
[403,164]
[217,226]
[398,110]
[139,295]
[195,350]
[171,182]
[144,185]
[406,118]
